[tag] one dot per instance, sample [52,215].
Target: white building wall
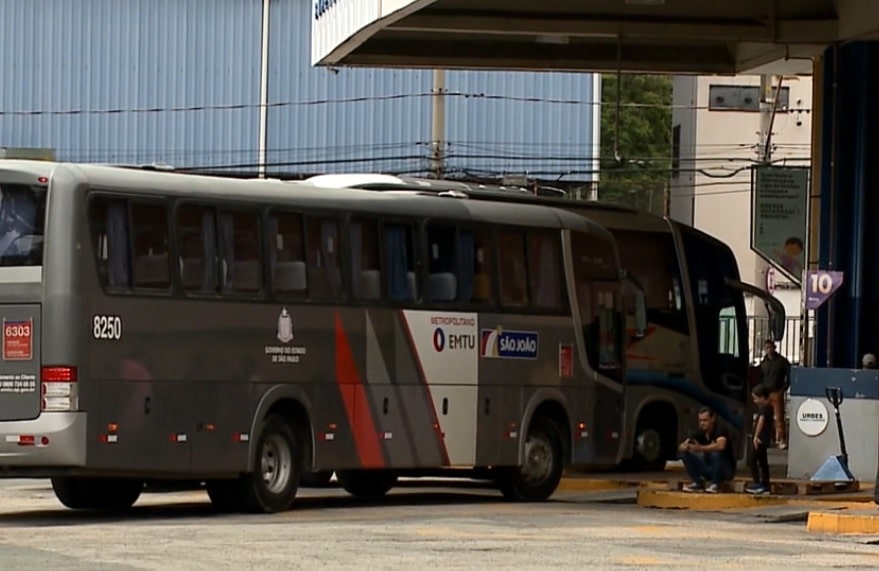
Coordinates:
[721,146]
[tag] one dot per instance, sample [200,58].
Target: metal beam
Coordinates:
[787,31]
[432,54]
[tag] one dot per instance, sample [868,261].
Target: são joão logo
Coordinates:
[501,344]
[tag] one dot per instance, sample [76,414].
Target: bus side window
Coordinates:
[150,236]
[108,219]
[366,275]
[241,267]
[400,267]
[477,266]
[544,270]
[197,248]
[324,260]
[596,275]
[287,254]
[442,278]
[513,275]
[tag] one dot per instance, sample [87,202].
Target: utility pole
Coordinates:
[769,97]
[764,153]
[438,130]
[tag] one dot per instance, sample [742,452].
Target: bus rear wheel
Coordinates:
[273,480]
[539,476]
[367,484]
[104,494]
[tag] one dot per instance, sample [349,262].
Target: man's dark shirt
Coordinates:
[775,371]
[768,431]
[728,454]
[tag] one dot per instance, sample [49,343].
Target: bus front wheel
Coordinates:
[539,476]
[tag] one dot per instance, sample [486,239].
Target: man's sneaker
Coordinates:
[694,487]
[782,445]
[712,489]
[758,490]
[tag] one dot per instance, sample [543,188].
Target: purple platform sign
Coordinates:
[819,285]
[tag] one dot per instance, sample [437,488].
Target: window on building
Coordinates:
[743,98]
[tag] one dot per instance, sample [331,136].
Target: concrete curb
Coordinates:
[859,521]
[662,499]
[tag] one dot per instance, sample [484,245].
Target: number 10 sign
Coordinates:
[819,285]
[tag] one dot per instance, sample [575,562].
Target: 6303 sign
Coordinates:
[819,285]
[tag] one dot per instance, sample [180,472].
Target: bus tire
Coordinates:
[367,484]
[537,479]
[319,479]
[273,481]
[652,442]
[225,495]
[105,494]
[75,493]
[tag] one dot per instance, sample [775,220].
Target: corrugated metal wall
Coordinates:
[178,82]
[99,55]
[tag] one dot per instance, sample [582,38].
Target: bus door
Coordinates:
[600,318]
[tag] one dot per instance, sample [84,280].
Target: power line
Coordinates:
[349,100]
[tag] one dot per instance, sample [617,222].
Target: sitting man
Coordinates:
[717,461]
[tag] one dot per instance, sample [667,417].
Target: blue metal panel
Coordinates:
[848,197]
[521,122]
[95,55]
[66,64]
[358,119]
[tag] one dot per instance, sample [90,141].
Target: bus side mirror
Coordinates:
[777,324]
[640,314]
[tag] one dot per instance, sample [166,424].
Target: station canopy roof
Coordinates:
[654,36]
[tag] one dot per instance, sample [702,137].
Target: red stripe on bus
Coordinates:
[356,403]
[413,349]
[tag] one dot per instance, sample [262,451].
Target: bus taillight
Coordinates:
[58,389]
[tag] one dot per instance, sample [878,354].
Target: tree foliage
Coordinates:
[638,173]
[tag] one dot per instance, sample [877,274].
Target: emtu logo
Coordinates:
[439,339]
[454,341]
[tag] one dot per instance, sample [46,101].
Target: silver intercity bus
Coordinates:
[246,332]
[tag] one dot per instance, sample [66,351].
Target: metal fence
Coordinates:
[789,346]
[758,333]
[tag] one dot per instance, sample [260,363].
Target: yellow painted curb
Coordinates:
[592,485]
[702,501]
[860,522]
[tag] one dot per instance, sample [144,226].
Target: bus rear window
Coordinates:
[22,215]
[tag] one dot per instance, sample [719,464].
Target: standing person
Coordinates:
[708,453]
[763,428]
[776,377]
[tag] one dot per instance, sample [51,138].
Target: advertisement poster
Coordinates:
[779,217]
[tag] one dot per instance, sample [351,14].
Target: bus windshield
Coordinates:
[720,314]
[22,215]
